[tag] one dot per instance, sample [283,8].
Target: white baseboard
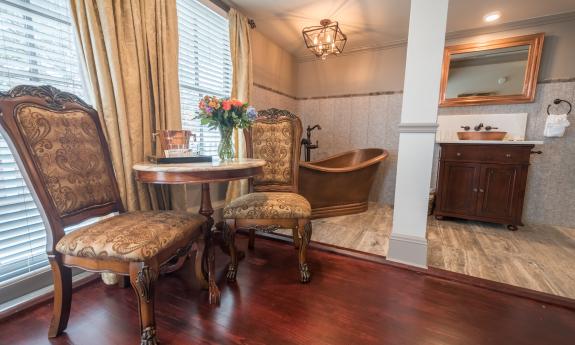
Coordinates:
[409,250]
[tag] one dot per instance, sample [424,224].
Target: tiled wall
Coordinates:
[263,98]
[371,121]
[358,122]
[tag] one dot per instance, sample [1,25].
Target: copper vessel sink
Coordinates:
[481,135]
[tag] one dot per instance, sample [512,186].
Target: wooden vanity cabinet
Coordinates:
[484,182]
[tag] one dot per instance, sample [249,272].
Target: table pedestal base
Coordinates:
[208,255]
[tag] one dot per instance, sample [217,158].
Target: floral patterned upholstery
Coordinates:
[273,142]
[268,205]
[134,236]
[67,150]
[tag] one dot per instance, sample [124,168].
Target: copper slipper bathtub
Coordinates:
[340,184]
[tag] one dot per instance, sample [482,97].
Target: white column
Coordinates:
[426,41]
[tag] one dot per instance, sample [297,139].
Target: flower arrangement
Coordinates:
[225,114]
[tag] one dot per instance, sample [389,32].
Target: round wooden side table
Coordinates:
[204,174]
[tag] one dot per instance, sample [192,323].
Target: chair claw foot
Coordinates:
[149,336]
[231,275]
[304,274]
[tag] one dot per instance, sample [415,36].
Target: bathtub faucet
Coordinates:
[307,142]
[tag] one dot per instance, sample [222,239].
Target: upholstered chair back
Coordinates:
[275,137]
[59,144]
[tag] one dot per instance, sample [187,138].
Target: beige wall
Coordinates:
[361,72]
[273,66]
[382,70]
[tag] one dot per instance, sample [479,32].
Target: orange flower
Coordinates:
[226,105]
[237,103]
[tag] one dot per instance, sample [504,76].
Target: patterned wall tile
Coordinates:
[359,122]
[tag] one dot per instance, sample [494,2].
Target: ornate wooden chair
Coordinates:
[64,157]
[273,201]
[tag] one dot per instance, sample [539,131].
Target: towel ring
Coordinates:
[557,101]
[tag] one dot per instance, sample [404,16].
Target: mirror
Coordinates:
[494,72]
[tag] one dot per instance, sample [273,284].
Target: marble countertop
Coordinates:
[498,142]
[215,165]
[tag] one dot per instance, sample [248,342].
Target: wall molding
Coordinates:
[422,127]
[520,24]
[379,93]
[559,80]
[375,93]
[409,250]
[263,87]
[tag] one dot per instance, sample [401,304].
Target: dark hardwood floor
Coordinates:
[348,301]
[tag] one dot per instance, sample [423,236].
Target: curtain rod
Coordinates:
[226,8]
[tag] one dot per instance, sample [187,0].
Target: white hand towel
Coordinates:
[555,125]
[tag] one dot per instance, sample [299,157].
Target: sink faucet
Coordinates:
[478,127]
[307,142]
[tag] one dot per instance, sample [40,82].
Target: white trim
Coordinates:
[520,24]
[424,127]
[427,22]
[409,250]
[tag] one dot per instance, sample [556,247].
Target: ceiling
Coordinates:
[369,23]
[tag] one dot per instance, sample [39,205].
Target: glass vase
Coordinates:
[226,147]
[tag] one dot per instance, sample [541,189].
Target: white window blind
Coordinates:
[37,47]
[205,66]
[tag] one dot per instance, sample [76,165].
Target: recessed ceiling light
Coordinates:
[491,16]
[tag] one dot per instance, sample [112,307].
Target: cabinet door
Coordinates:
[497,190]
[458,188]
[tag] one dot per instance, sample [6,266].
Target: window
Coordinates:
[205,66]
[37,47]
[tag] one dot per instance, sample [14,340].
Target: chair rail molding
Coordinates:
[422,127]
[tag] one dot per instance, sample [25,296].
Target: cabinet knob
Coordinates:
[508,155]
[481,190]
[458,154]
[475,190]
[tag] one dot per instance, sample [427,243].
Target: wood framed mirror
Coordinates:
[502,71]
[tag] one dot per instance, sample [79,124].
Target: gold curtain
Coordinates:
[130,51]
[241,51]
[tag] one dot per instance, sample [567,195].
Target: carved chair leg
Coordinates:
[230,236]
[304,234]
[295,238]
[200,265]
[143,279]
[62,296]
[252,239]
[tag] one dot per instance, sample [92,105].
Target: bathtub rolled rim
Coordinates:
[315,164]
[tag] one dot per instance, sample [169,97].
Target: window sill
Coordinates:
[41,295]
